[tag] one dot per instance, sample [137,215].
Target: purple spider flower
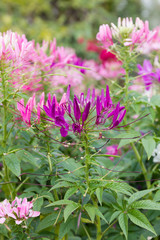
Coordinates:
[56,111]
[85,114]
[147,73]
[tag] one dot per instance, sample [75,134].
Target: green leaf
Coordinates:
[142,237]
[146,204]
[61,202]
[114,216]
[123,222]
[69,209]
[118,187]
[70,192]
[155,100]
[47,221]
[140,220]
[66,227]
[140,194]
[13,163]
[130,137]
[99,193]
[149,145]
[27,157]
[157,196]
[98,212]
[91,210]
[38,204]
[61,184]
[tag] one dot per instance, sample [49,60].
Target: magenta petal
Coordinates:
[86,112]
[77,112]
[63,132]
[98,106]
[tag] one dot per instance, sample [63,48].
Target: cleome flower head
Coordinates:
[126,33]
[23,210]
[19,210]
[84,114]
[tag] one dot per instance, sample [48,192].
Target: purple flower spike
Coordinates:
[77,112]
[84,114]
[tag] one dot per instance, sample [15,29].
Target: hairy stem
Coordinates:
[94,200]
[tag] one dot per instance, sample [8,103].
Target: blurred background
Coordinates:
[71,22]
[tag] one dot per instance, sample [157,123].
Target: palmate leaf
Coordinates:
[140,220]
[69,209]
[119,187]
[140,194]
[123,222]
[91,211]
[65,227]
[47,221]
[114,216]
[99,193]
[146,204]
[70,192]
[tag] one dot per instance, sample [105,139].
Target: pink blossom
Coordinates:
[105,35]
[6,211]
[26,110]
[23,210]
[30,109]
[113,150]
[126,33]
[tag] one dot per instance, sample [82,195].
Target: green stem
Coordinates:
[5,135]
[109,227]
[87,161]
[89,238]
[57,226]
[49,159]
[126,82]
[94,200]
[98,220]
[144,170]
[25,180]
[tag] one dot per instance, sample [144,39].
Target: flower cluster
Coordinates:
[126,33]
[84,114]
[19,210]
[31,67]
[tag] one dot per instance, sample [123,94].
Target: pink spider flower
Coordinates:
[23,210]
[26,111]
[126,33]
[6,211]
[30,108]
[105,35]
